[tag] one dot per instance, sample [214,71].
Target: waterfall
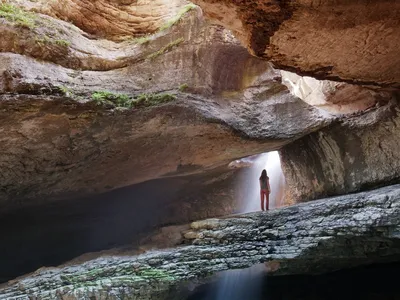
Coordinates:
[251,197]
[246,284]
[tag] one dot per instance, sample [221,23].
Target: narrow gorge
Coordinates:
[133,134]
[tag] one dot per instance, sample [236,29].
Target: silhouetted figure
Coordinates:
[265,189]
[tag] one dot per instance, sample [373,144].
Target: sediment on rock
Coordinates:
[310,238]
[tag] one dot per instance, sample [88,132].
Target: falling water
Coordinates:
[246,284]
[242,284]
[251,198]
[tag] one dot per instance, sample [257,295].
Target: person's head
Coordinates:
[263,174]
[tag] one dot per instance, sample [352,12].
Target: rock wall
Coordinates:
[351,41]
[114,20]
[58,143]
[334,97]
[357,153]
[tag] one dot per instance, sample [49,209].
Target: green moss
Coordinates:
[17,15]
[156,274]
[178,16]
[65,91]
[43,40]
[46,40]
[183,87]
[116,277]
[123,100]
[62,43]
[146,100]
[106,97]
[166,48]
[140,40]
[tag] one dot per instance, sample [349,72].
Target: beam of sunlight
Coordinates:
[246,284]
[251,199]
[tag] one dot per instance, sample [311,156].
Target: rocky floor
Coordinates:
[309,238]
[54,233]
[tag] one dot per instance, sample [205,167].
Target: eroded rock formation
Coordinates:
[54,233]
[308,238]
[351,41]
[58,143]
[334,97]
[357,153]
[114,20]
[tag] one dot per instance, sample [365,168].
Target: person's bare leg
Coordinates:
[267,198]
[262,200]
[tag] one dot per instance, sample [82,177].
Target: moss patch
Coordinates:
[140,40]
[183,87]
[178,16]
[107,98]
[124,276]
[17,15]
[166,48]
[145,100]
[62,43]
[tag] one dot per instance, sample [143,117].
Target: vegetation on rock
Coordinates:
[145,100]
[17,15]
[166,48]
[122,100]
[183,87]
[178,16]
[140,40]
[109,98]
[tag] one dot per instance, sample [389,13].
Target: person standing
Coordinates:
[265,189]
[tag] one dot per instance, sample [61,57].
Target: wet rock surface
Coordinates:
[310,238]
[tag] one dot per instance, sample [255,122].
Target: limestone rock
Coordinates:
[115,19]
[354,154]
[334,97]
[351,41]
[58,143]
[310,238]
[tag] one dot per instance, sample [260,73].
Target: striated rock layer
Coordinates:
[334,97]
[309,238]
[358,153]
[115,19]
[354,41]
[54,233]
[58,143]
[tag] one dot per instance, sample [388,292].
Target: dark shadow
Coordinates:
[52,234]
[374,282]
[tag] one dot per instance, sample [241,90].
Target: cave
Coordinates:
[133,136]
